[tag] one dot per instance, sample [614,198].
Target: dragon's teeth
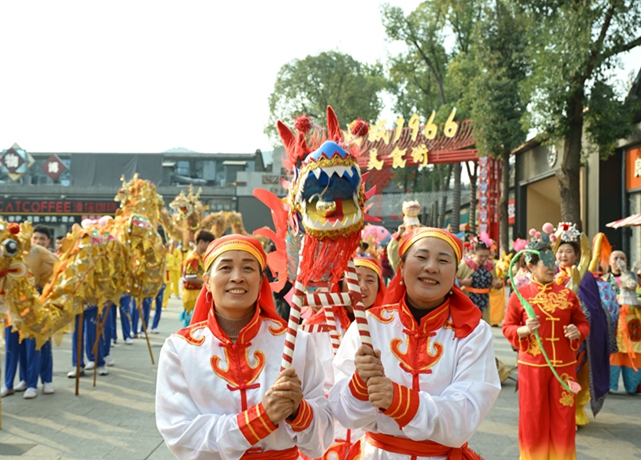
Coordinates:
[340,170]
[317,172]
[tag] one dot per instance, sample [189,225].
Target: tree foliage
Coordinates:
[309,85]
[419,75]
[495,68]
[573,47]
[498,66]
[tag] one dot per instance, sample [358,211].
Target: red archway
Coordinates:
[385,150]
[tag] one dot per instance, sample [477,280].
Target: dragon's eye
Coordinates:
[10,247]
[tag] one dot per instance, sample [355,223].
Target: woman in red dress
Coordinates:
[546,420]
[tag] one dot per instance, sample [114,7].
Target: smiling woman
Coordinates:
[429,395]
[219,391]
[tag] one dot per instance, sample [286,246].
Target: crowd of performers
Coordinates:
[401,365]
[394,358]
[431,376]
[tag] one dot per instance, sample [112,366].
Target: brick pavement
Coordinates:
[116,418]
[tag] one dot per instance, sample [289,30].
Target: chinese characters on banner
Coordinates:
[489,191]
[410,145]
[44,219]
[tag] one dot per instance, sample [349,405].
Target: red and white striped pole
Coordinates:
[354,289]
[330,319]
[294,316]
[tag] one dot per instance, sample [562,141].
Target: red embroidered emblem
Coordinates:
[239,373]
[415,362]
[277,328]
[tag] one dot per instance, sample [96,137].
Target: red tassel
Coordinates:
[14,228]
[325,260]
[303,124]
[360,128]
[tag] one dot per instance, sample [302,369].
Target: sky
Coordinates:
[147,76]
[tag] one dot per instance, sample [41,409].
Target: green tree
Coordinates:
[573,47]
[494,68]
[419,76]
[309,85]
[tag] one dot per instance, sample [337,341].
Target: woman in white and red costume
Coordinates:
[220,393]
[432,378]
[373,291]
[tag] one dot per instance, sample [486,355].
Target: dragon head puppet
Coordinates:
[325,206]
[187,205]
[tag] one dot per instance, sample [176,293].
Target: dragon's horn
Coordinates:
[289,141]
[333,127]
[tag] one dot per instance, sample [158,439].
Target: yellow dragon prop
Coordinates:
[98,263]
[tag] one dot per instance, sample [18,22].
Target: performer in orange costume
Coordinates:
[193,271]
[173,272]
[547,410]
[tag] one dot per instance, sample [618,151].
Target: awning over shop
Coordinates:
[630,221]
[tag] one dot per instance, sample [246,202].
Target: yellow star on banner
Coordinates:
[374,162]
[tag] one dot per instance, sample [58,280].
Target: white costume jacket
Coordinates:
[444,386]
[209,393]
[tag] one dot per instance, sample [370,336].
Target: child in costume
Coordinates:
[477,274]
[627,361]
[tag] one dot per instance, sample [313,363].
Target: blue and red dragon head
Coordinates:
[325,207]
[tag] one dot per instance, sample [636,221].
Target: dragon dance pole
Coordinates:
[330,319]
[100,331]
[79,337]
[144,329]
[294,316]
[360,315]
[327,300]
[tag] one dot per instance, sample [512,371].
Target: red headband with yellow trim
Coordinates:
[235,243]
[429,232]
[368,262]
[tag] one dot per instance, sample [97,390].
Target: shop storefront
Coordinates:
[58,215]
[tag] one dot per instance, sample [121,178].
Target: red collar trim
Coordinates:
[246,334]
[433,321]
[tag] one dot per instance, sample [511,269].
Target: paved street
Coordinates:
[116,418]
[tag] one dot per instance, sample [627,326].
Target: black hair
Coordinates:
[60,237]
[204,235]
[481,246]
[42,229]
